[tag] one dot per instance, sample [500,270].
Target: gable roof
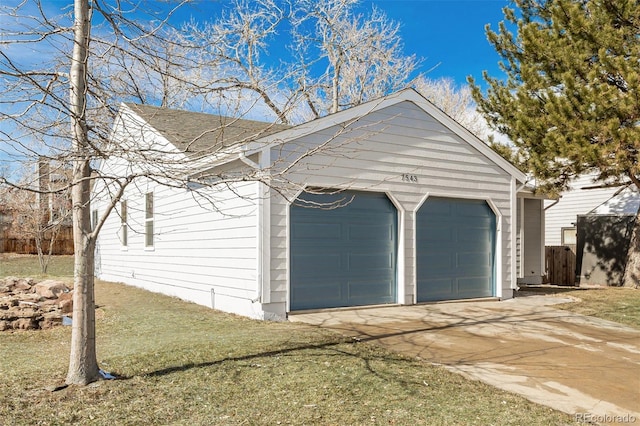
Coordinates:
[201,134]
[351,115]
[196,133]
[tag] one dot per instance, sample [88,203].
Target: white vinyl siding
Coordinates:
[205,255]
[583,196]
[383,146]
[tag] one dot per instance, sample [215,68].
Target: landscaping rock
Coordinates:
[25,324]
[9,315]
[50,320]
[66,306]
[28,312]
[10,282]
[50,289]
[23,285]
[29,298]
[32,306]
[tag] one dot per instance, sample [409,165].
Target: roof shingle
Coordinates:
[196,133]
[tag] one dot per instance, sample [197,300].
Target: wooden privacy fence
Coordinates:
[62,245]
[560,263]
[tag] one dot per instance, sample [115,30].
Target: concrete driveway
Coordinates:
[581,365]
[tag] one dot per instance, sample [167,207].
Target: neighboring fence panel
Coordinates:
[560,262]
[62,245]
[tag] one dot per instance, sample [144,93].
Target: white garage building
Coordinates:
[428,212]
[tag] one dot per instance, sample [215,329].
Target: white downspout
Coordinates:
[260,242]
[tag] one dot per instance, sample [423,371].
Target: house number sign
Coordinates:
[410,178]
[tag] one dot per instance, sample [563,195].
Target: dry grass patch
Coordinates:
[184,364]
[25,265]
[617,304]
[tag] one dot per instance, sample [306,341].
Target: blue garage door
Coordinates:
[455,249]
[344,256]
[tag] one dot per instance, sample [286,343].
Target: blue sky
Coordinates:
[448,34]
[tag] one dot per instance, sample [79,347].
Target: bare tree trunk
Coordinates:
[335,86]
[54,237]
[83,364]
[39,239]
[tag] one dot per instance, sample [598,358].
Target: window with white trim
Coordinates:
[94,219]
[148,219]
[124,229]
[569,236]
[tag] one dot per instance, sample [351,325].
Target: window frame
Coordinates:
[94,219]
[149,226]
[124,227]
[562,235]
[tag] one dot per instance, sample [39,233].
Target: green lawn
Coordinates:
[183,364]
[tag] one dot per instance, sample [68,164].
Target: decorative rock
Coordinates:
[31,306]
[29,298]
[28,313]
[50,289]
[22,285]
[66,306]
[66,296]
[9,315]
[50,320]
[25,324]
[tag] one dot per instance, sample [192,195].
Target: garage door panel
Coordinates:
[438,209]
[475,260]
[319,231]
[371,232]
[442,287]
[373,290]
[307,297]
[369,262]
[435,262]
[455,249]
[312,265]
[437,233]
[471,288]
[366,249]
[474,235]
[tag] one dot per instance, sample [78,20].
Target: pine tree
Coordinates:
[570,102]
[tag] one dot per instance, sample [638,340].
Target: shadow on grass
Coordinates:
[273,353]
[368,333]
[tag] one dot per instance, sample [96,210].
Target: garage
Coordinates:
[455,249]
[342,250]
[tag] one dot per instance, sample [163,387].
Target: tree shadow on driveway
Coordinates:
[567,361]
